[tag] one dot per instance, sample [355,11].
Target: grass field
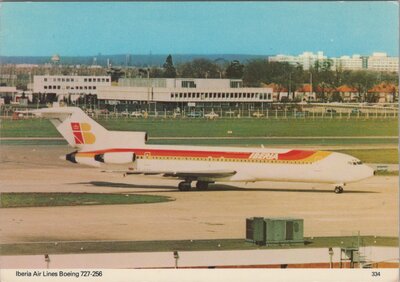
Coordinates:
[16,200]
[219,128]
[382,156]
[184,245]
[241,128]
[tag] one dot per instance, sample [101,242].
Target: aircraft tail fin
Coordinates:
[75,126]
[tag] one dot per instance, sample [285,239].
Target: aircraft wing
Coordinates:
[193,175]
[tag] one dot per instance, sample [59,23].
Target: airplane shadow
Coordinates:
[233,188]
[212,188]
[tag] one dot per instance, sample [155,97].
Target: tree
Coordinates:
[199,68]
[362,81]
[156,72]
[169,69]
[234,70]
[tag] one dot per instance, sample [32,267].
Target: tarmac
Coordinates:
[370,206]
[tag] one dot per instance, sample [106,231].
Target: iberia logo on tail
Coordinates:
[82,133]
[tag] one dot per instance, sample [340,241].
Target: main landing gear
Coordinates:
[338,189]
[201,185]
[186,185]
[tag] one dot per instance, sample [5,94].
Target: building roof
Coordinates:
[346,88]
[305,88]
[384,88]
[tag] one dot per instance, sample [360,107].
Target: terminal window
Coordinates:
[188,84]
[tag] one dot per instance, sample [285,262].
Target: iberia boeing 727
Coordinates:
[129,152]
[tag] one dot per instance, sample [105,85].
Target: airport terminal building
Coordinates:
[73,86]
[183,92]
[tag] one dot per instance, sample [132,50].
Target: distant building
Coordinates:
[305,93]
[182,90]
[8,94]
[69,85]
[376,62]
[348,94]
[279,92]
[354,62]
[385,93]
[306,59]
[381,62]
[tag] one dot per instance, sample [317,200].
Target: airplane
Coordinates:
[99,147]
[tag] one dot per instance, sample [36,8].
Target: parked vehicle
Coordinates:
[211,115]
[195,114]
[355,111]
[258,114]
[331,111]
[136,114]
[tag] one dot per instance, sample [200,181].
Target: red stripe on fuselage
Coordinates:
[295,155]
[291,155]
[177,153]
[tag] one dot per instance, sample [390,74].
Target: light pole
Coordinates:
[47,260]
[176,257]
[330,257]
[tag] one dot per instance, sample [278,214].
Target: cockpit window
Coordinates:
[355,162]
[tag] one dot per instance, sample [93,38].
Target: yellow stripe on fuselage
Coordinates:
[317,156]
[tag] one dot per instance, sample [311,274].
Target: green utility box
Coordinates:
[284,230]
[264,231]
[255,230]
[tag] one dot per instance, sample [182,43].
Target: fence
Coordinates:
[309,113]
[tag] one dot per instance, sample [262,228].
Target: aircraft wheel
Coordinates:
[338,189]
[184,186]
[201,185]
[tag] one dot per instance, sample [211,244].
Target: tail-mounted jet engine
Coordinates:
[116,158]
[74,157]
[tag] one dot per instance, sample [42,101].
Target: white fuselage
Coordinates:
[256,164]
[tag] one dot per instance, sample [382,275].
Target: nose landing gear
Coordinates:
[186,185]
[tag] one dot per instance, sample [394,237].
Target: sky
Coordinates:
[256,28]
